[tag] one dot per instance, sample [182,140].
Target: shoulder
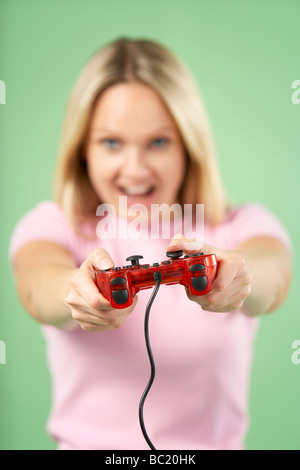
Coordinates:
[47,208]
[45,221]
[44,216]
[245,211]
[250,220]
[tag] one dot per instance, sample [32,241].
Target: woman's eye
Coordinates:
[111,143]
[160,142]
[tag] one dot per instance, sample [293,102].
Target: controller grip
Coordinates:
[201,284]
[195,272]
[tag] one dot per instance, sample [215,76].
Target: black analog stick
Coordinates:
[174,254]
[134,259]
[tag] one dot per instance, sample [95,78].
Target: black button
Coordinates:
[174,254]
[199,283]
[155,265]
[134,259]
[118,280]
[128,266]
[145,266]
[197,267]
[197,254]
[166,262]
[115,269]
[120,296]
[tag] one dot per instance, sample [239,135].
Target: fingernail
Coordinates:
[176,239]
[106,263]
[178,236]
[193,245]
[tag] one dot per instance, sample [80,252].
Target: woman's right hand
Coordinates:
[88,307]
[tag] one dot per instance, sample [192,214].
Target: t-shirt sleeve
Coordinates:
[255,220]
[46,221]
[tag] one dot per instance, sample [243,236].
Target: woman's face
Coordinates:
[134,148]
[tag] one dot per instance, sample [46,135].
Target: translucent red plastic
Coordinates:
[120,285]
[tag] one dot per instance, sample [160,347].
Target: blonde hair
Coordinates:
[147,62]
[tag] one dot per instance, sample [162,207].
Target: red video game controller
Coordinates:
[119,285]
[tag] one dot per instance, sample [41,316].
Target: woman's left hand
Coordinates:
[232,285]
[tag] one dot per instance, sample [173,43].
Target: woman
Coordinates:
[137,128]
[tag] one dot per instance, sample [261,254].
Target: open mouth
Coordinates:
[138,191]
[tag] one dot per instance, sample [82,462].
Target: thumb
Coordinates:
[98,260]
[189,245]
[181,242]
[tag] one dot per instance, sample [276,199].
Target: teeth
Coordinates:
[137,190]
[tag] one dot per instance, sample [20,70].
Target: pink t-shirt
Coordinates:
[199,399]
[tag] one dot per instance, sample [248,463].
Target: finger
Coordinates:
[112,321]
[236,305]
[239,296]
[90,327]
[228,270]
[102,320]
[77,302]
[86,288]
[215,301]
[223,297]
[98,260]
[84,281]
[82,316]
[180,242]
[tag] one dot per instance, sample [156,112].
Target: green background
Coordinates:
[245,55]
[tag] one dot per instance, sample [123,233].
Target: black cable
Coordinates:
[158,278]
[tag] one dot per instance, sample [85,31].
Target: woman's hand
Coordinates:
[232,285]
[88,307]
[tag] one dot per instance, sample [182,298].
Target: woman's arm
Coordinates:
[43,271]
[255,277]
[270,264]
[55,292]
